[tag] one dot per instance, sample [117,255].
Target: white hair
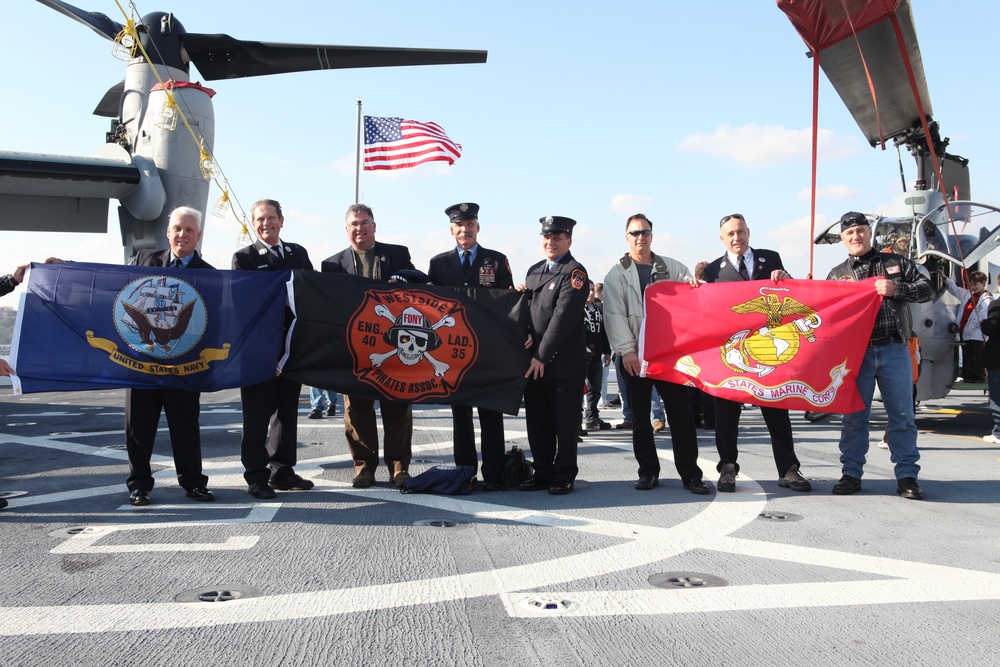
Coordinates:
[183,211]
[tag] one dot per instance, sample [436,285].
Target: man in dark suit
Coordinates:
[471,265]
[558,369]
[143,406]
[368,258]
[741,262]
[271,408]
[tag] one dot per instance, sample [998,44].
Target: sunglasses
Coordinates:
[727,218]
[636,233]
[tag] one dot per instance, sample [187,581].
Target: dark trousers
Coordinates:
[683,435]
[595,377]
[270,422]
[463,437]
[702,407]
[552,417]
[361,432]
[973,369]
[727,426]
[142,418]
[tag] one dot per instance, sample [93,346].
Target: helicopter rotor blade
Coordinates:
[224,57]
[96,21]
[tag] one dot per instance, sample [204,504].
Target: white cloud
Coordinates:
[629,204]
[831,192]
[756,145]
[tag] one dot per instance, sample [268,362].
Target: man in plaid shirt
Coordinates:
[887,359]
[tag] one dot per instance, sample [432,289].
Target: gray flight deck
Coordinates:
[604,576]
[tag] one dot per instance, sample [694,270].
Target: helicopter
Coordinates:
[872,58]
[158,151]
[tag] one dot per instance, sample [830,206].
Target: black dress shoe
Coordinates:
[315,413]
[331,411]
[139,497]
[262,490]
[846,486]
[534,484]
[200,493]
[289,481]
[696,486]
[647,482]
[908,488]
[560,487]
[489,485]
[3,503]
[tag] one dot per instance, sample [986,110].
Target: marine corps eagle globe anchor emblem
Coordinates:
[775,343]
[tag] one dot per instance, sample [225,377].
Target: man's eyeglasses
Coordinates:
[355,225]
[727,218]
[636,233]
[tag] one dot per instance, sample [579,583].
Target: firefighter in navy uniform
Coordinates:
[471,265]
[558,367]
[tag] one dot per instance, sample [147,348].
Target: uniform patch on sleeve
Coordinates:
[578,278]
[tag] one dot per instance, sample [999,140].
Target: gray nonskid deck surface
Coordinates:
[338,575]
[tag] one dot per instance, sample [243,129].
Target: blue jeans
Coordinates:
[320,399]
[891,366]
[993,382]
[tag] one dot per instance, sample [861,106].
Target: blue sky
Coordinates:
[683,111]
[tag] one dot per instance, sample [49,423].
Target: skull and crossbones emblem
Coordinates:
[413,338]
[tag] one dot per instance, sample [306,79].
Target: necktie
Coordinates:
[177,263]
[467,261]
[743,268]
[276,249]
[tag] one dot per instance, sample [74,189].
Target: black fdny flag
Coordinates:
[408,343]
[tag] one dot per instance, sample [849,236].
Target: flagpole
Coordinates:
[357,157]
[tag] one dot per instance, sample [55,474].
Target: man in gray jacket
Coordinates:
[624,288]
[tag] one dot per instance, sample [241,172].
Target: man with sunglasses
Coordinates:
[624,288]
[741,262]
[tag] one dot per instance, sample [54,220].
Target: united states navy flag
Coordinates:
[95,326]
[408,343]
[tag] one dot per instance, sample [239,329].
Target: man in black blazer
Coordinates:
[143,406]
[271,408]
[471,265]
[741,262]
[558,369]
[368,258]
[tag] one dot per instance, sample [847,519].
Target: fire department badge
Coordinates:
[411,344]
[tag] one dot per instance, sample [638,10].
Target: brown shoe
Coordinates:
[363,479]
[659,426]
[727,480]
[794,480]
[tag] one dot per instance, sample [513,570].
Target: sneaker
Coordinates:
[794,481]
[727,479]
[659,425]
[846,486]
[992,439]
[315,413]
[907,488]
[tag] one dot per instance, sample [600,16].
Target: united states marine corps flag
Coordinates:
[796,344]
[408,343]
[95,326]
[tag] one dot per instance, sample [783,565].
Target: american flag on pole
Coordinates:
[394,143]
